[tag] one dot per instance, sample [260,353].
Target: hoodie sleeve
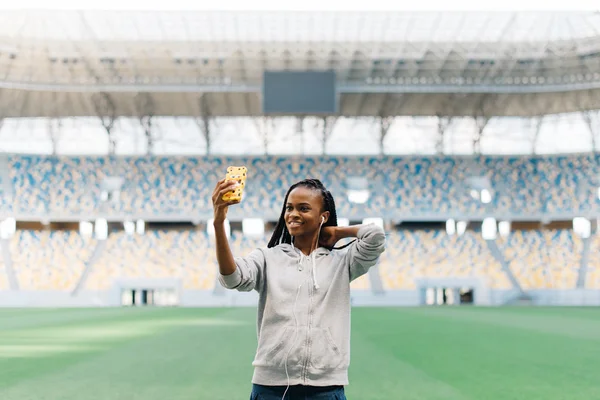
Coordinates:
[249,273]
[364,253]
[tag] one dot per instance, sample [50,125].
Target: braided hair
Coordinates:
[282,235]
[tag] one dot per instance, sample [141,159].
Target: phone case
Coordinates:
[236,174]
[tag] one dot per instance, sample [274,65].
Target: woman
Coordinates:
[304,292]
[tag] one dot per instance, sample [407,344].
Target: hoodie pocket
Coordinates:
[324,352]
[272,349]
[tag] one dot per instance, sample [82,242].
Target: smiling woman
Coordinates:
[303,283]
[305,213]
[308,211]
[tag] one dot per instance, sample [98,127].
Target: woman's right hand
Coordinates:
[221,206]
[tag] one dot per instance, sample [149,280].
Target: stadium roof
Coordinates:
[312,27]
[119,63]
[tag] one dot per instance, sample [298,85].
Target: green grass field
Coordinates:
[397,353]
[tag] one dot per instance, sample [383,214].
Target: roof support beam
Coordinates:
[54,130]
[328,125]
[538,127]
[144,106]
[384,126]
[106,111]
[592,120]
[263,126]
[203,121]
[481,123]
[341,88]
[443,124]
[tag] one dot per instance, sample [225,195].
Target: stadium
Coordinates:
[471,138]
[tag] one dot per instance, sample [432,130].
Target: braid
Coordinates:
[281,234]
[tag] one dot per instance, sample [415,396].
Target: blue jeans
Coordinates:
[298,392]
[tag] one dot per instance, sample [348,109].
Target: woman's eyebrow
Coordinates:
[300,204]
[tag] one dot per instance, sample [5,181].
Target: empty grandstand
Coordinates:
[525,187]
[472,138]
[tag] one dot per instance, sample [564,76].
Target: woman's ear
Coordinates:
[325,217]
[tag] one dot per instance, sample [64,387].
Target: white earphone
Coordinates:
[316,286]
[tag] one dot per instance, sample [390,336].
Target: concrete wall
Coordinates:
[574,297]
[229,298]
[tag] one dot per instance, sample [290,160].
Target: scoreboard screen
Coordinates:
[299,92]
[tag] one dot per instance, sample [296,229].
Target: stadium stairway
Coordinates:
[585,256]
[375,281]
[6,187]
[521,298]
[497,253]
[13,283]
[100,246]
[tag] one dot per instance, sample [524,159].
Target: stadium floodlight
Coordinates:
[376,221]
[480,188]
[504,228]
[486,196]
[582,227]
[86,228]
[343,222]
[357,189]
[450,227]
[210,229]
[129,227]
[101,229]
[140,227]
[11,224]
[358,196]
[111,188]
[253,227]
[489,229]
[461,227]
[8,227]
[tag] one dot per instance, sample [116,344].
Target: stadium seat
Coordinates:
[432,253]
[398,185]
[45,260]
[548,259]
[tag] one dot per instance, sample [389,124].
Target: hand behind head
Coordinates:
[328,237]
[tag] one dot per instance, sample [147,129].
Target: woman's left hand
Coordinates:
[328,236]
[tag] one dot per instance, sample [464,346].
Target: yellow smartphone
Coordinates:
[236,174]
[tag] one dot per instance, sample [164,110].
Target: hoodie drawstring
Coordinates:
[314,263]
[314,270]
[313,258]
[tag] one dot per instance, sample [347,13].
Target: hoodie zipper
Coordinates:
[308,341]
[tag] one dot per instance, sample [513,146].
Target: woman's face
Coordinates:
[303,211]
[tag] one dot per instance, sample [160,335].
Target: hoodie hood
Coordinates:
[297,254]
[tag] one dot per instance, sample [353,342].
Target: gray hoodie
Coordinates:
[300,328]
